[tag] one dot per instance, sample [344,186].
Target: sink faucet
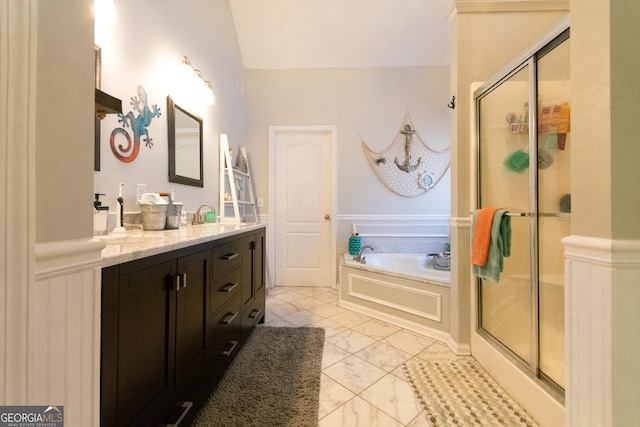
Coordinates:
[359,258]
[197,218]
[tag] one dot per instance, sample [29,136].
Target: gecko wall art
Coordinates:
[139,124]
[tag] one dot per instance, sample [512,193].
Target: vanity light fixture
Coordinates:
[204,87]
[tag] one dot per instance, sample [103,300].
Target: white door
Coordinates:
[301,205]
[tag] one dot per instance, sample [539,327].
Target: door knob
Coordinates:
[327,217]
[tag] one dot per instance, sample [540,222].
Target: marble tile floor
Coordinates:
[362,382]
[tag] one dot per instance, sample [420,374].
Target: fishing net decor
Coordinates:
[408,166]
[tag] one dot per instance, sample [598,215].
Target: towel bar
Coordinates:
[516,214]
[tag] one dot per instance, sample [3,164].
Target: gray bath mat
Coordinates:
[274,381]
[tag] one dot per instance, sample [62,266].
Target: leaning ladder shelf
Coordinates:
[237,203]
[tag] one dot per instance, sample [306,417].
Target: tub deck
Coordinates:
[410,266]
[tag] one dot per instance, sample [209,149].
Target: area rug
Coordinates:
[462,393]
[273,381]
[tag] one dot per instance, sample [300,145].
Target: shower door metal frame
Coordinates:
[528,58]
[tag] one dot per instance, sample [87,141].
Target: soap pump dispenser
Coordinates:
[100,216]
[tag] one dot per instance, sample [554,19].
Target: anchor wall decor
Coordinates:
[407,166]
[405,175]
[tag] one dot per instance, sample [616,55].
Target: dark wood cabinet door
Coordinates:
[253,294]
[146,339]
[253,257]
[248,292]
[191,317]
[258,262]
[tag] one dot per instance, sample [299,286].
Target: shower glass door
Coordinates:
[554,203]
[524,166]
[505,181]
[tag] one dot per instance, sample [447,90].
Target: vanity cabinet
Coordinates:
[153,332]
[171,324]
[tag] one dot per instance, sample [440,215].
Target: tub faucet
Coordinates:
[359,258]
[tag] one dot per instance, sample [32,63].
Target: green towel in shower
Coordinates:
[499,248]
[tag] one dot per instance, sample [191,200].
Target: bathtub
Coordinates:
[402,289]
[409,265]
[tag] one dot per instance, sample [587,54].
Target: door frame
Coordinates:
[274,131]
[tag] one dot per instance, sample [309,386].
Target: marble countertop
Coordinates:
[136,244]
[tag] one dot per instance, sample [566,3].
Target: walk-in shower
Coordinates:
[524,165]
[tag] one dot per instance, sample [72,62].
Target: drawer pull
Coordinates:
[228,318]
[228,348]
[179,281]
[255,313]
[228,257]
[229,287]
[184,408]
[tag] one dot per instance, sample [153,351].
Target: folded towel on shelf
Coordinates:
[483,219]
[499,245]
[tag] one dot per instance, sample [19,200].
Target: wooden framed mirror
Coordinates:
[185,145]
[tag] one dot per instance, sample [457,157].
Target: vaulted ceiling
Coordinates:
[286,34]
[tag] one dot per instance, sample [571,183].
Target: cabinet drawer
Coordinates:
[227,256]
[226,330]
[225,287]
[255,312]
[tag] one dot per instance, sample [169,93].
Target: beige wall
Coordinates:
[591,119]
[486,42]
[364,104]
[64,120]
[143,47]
[625,128]
[605,94]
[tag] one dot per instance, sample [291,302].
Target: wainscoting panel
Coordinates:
[396,296]
[602,297]
[64,330]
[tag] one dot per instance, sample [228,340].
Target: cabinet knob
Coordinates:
[327,217]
